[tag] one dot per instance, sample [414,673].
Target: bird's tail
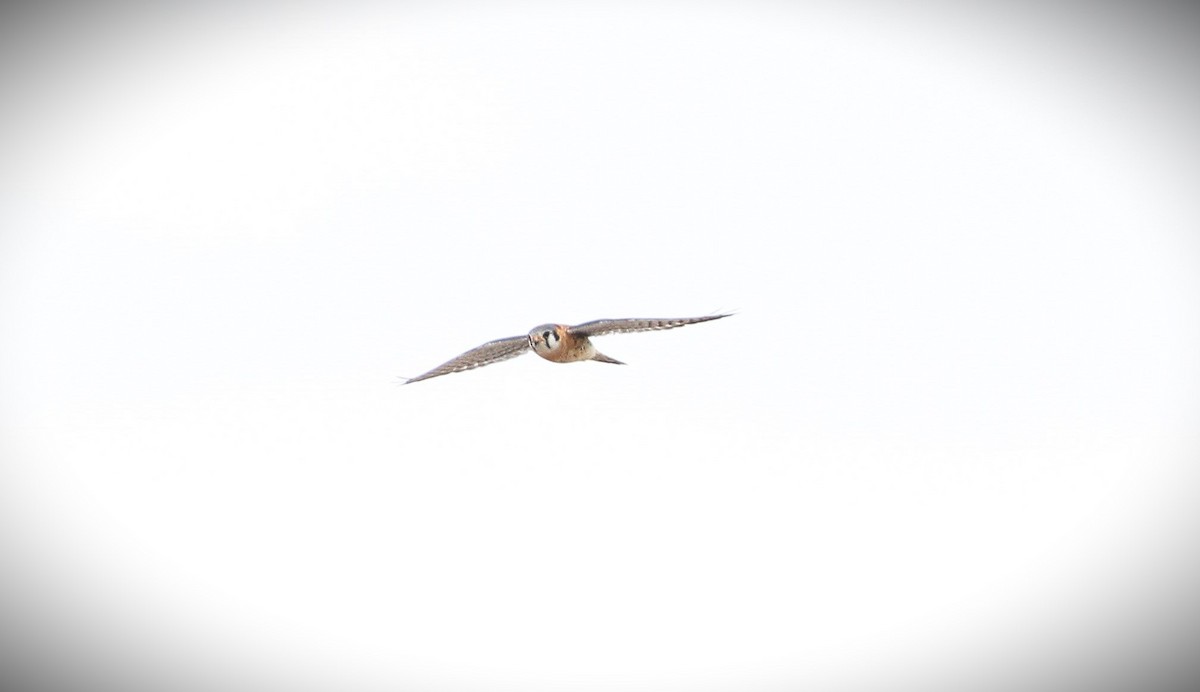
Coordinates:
[605,359]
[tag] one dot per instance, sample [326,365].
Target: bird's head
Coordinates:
[545,338]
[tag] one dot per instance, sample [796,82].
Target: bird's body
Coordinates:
[558,343]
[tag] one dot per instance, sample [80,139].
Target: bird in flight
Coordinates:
[558,343]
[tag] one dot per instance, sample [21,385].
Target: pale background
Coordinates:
[948,441]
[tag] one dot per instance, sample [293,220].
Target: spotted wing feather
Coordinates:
[598,327]
[491,352]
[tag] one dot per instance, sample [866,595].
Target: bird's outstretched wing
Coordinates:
[598,327]
[491,352]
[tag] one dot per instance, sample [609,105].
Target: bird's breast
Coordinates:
[570,349]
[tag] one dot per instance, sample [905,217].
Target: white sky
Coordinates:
[949,436]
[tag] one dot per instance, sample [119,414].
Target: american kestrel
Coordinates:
[558,343]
